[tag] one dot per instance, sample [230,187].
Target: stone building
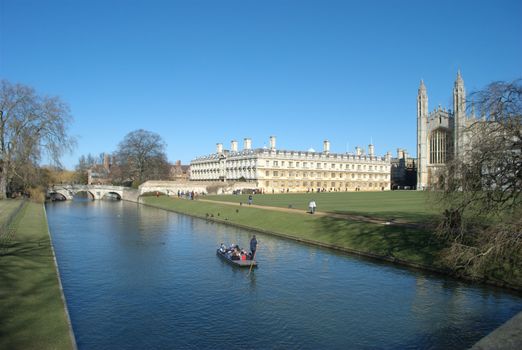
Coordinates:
[100,174]
[441,134]
[179,172]
[271,169]
[403,171]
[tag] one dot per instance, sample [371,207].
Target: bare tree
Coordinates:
[480,190]
[82,168]
[141,157]
[30,125]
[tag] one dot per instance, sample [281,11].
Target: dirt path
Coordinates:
[346,216]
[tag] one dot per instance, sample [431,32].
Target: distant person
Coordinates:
[312,206]
[250,198]
[253,246]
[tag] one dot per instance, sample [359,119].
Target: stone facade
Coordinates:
[273,170]
[179,172]
[403,171]
[441,134]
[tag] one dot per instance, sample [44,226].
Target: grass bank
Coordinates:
[411,206]
[407,244]
[32,312]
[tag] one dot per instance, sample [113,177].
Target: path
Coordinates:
[345,216]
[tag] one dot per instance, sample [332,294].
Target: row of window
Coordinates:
[276,173]
[325,184]
[290,164]
[304,165]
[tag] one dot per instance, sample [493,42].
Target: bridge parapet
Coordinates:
[96,191]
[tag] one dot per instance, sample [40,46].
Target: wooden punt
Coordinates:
[239,263]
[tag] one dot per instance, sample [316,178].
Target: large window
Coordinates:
[439,146]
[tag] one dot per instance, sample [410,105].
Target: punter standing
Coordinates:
[253,246]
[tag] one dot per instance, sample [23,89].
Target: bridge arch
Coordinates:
[57,196]
[112,196]
[84,194]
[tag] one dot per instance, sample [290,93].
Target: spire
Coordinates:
[459,81]
[422,87]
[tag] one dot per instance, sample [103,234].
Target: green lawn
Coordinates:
[406,205]
[32,314]
[6,208]
[413,245]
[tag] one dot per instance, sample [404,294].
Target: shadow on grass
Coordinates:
[424,219]
[31,309]
[415,245]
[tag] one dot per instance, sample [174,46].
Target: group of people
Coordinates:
[235,253]
[187,195]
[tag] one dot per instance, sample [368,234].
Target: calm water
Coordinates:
[141,278]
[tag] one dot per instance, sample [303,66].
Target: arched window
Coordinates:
[439,146]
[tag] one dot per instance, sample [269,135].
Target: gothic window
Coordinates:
[439,146]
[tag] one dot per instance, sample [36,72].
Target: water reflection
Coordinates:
[136,277]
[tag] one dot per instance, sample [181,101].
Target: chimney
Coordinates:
[219,148]
[272,142]
[233,146]
[358,151]
[388,156]
[326,147]
[371,150]
[106,161]
[247,143]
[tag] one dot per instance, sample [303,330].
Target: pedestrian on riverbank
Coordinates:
[311,206]
[250,198]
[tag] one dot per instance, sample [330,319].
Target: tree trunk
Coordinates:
[3,184]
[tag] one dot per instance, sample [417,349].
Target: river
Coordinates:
[136,277]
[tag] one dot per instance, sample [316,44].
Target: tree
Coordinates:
[480,190]
[30,125]
[141,157]
[84,164]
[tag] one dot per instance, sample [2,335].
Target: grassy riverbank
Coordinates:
[409,206]
[413,245]
[32,312]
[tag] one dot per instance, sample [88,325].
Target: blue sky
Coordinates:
[200,72]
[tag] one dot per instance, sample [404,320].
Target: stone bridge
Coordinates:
[169,188]
[61,192]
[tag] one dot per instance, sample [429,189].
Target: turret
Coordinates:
[459,113]
[422,137]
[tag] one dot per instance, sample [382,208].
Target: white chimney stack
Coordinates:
[233,146]
[358,151]
[272,142]
[371,150]
[247,143]
[326,146]
[219,148]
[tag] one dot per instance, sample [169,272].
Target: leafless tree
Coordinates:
[30,125]
[480,190]
[141,157]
